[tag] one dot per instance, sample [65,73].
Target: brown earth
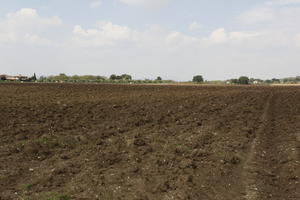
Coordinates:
[124,142]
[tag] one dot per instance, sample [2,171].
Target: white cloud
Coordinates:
[106,33]
[179,39]
[277,21]
[282,2]
[96,4]
[258,15]
[109,34]
[218,35]
[221,36]
[194,26]
[241,36]
[25,26]
[28,17]
[35,39]
[269,15]
[145,3]
[297,40]
[24,12]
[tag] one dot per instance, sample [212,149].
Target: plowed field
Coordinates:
[124,142]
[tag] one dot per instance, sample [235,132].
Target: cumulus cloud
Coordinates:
[145,3]
[282,2]
[106,33]
[269,24]
[270,15]
[25,26]
[277,20]
[221,36]
[28,17]
[258,15]
[194,26]
[96,4]
[179,39]
[109,34]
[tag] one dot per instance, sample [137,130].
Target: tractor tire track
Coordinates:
[272,169]
[249,174]
[280,169]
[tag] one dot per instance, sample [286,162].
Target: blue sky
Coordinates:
[174,39]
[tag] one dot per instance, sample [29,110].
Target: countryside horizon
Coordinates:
[149,100]
[168,38]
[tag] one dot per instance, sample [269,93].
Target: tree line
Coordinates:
[123,78]
[245,80]
[126,78]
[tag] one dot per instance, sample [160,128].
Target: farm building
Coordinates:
[14,78]
[2,77]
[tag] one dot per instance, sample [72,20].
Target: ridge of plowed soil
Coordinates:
[130,142]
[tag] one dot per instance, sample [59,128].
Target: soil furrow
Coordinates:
[250,165]
[280,169]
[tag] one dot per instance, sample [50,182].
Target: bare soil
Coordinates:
[125,142]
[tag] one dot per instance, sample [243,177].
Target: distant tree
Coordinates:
[113,77]
[33,78]
[75,78]
[126,77]
[275,80]
[159,78]
[285,80]
[268,81]
[61,77]
[234,81]
[100,78]
[198,79]
[42,78]
[244,80]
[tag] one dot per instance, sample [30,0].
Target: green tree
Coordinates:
[100,78]
[275,80]
[268,81]
[234,81]
[244,80]
[159,78]
[33,78]
[126,77]
[61,77]
[198,79]
[75,78]
[113,77]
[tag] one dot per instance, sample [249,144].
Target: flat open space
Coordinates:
[128,142]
